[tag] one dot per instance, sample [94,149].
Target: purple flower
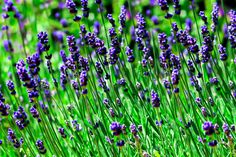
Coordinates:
[97,27]
[45,86]
[71,6]
[83,78]
[33,62]
[163,5]
[40,146]
[174,27]
[213,143]
[189,24]
[58,36]
[141,32]
[182,37]
[120,143]
[204,111]
[35,113]
[111,19]
[155,99]
[62,132]
[11,87]
[122,18]
[8,46]
[222,51]
[20,117]
[155,20]
[163,41]
[232,28]
[177,7]
[214,17]
[4,108]
[12,138]
[84,8]
[43,40]
[175,77]
[226,129]
[208,128]
[116,128]
[130,55]
[214,80]
[29,82]
[175,61]
[203,17]
[90,39]
[64,22]
[133,129]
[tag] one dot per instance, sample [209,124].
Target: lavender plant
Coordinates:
[117,78]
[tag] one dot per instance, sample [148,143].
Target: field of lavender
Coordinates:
[118,78]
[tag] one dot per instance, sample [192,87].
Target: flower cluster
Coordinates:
[21,118]
[13,139]
[29,82]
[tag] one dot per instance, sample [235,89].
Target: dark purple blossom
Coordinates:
[130,55]
[122,18]
[214,17]
[84,8]
[155,20]
[155,99]
[40,146]
[163,4]
[8,46]
[71,6]
[33,62]
[203,16]
[35,113]
[175,77]
[20,117]
[116,128]
[208,127]
[83,78]
[120,143]
[4,109]
[111,19]
[177,7]
[62,132]
[97,27]
[213,143]
[222,51]
[11,87]
[12,138]
[43,40]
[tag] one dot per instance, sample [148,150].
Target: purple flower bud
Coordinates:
[64,22]
[163,5]
[40,146]
[83,78]
[12,138]
[177,7]
[155,99]
[11,87]
[97,27]
[203,16]
[111,19]
[21,118]
[71,6]
[8,46]
[62,132]
[120,143]
[208,128]
[122,18]
[84,8]
[213,143]
[116,128]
